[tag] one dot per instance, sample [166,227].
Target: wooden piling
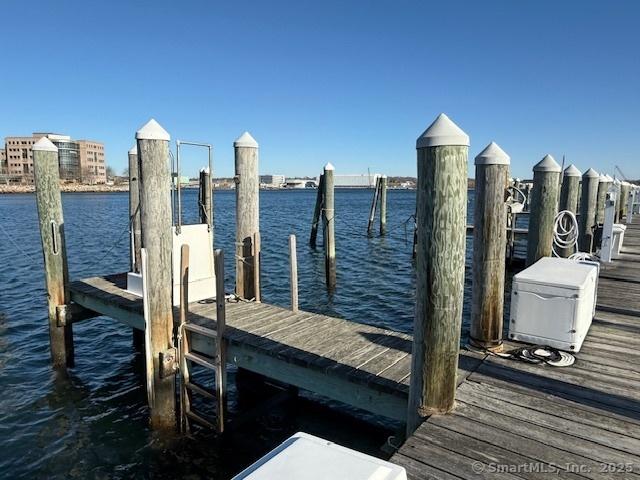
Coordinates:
[136,233]
[155,218]
[588,198]
[383,205]
[256,267]
[49,203]
[544,206]
[374,203]
[329,227]
[221,345]
[247,212]
[569,193]
[603,186]
[205,206]
[293,272]
[441,228]
[317,212]
[489,246]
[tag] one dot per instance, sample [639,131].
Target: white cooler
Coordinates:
[305,457]
[553,302]
[618,238]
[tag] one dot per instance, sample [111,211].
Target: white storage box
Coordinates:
[552,303]
[305,457]
[618,238]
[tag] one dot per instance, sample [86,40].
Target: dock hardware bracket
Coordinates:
[168,362]
[67,314]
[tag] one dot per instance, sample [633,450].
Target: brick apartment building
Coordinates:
[80,160]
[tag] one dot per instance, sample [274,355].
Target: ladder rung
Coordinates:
[208,332]
[201,390]
[200,360]
[200,419]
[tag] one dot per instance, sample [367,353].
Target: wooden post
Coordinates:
[247,212]
[204,207]
[374,203]
[155,217]
[49,202]
[603,186]
[544,206]
[569,193]
[183,346]
[383,205]
[329,228]
[293,271]
[489,246]
[622,200]
[135,231]
[441,224]
[590,181]
[256,267]
[221,346]
[317,211]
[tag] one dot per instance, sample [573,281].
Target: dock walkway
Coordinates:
[529,420]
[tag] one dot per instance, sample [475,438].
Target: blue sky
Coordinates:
[353,83]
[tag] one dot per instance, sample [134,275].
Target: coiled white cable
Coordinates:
[565,232]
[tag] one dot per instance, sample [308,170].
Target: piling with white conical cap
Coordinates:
[247,216]
[569,195]
[489,247]
[572,171]
[157,239]
[603,186]
[588,208]
[543,205]
[442,154]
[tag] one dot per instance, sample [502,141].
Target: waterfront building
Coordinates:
[79,160]
[272,181]
[301,183]
[356,181]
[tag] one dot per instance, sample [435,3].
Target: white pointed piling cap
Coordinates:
[492,155]
[442,132]
[245,140]
[44,145]
[572,171]
[603,178]
[329,166]
[547,164]
[133,150]
[591,173]
[609,178]
[152,130]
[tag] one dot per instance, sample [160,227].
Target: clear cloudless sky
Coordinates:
[351,82]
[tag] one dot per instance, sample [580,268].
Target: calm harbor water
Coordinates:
[92,422]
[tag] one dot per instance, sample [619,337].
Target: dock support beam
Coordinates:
[569,193]
[155,219]
[442,152]
[247,213]
[489,246]
[588,198]
[49,202]
[329,227]
[544,206]
[383,205]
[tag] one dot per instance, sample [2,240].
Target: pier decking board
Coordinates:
[361,365]
[514,413]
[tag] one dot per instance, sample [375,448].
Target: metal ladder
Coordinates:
[188,357]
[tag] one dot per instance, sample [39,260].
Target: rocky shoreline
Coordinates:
[67,188]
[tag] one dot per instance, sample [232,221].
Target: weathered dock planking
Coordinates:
[361,365]
[584,419]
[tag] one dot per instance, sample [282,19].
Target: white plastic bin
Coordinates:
[618,238]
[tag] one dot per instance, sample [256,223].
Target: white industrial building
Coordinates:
[356,181]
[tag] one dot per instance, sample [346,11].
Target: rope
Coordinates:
[535,354]
[565,232]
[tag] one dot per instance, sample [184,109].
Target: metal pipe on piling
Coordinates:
[374,204]
[588,199]
[442,152]
[489,246]
[51,221]
[329,227]
[247,212]
[383,205]
[544,206]
[155,217]
[317,212]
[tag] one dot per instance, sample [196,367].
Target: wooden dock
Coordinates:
[530,420]
[361,365]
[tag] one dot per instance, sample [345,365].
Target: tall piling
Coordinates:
[442,152]
[247,212]
[374,204]
[49,203]
[588,199]
[383,205]
[603,186]
[544,206]
[317,212]
[204,198]
[569,193]
[134,210]
[155,219]
[329,227]
[489,246]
